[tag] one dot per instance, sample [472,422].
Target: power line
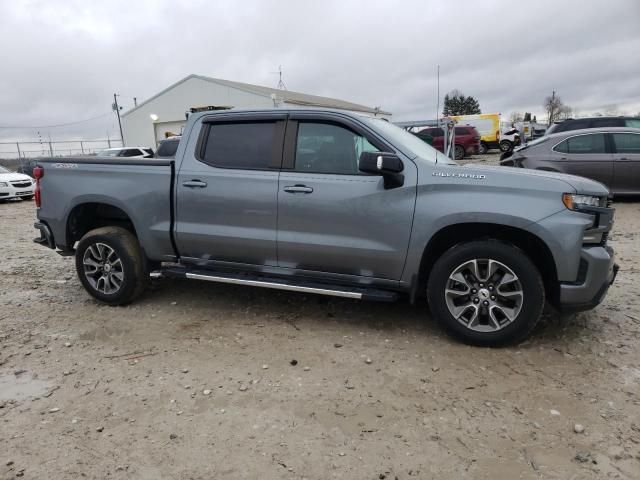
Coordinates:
[58,125]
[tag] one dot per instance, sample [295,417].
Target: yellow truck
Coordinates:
[488,126]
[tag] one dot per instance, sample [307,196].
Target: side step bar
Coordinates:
[279,284]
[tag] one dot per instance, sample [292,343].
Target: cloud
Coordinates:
[62,61]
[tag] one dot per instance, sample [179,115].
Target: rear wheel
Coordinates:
[486,293]
[111,266]
[483,148]
[459,152]
[506,145]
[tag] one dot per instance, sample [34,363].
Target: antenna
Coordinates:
[281,85]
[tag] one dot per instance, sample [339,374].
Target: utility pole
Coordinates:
[135,102]
[438,95]
[117,109]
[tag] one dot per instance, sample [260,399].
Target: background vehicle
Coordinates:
[167,148]
[467,140]
[333,203]
[609,155]
[487,125]
[127,152]
[15,185]
[593,122]
[509,139]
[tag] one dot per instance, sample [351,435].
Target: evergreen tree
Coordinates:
[456,103]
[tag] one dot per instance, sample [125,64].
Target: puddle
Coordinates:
[20,387]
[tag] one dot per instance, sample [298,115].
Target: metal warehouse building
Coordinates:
[165,113]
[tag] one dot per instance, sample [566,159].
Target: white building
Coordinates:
[165,113]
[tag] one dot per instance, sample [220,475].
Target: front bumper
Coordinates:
[597,272]
[11,191]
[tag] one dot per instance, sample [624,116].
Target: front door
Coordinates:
[626,162]
[586,155]
[227,189]
[331,217]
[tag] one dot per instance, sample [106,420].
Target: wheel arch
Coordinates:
[532,245]
[89,215]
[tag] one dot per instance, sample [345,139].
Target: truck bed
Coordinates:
[140,188]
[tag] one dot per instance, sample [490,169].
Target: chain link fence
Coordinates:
[13,154]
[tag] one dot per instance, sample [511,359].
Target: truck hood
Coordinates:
[578,184]
[12,177]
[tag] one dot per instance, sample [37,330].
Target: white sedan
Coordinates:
[15,185]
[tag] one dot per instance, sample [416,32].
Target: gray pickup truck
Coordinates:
[333,203]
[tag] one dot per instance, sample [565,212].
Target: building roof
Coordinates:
[288,96]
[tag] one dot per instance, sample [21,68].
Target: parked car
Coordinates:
[593,122]
[127,152]
[15,185]
[610,156]
[333,203]
[467,140]
[487,125]
[167,148]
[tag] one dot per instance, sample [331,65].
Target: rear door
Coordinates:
[586,155]
[626,163]
[438,137]
[227,189]
[332,218]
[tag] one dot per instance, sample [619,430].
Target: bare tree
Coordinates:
[556,110]
[515,117]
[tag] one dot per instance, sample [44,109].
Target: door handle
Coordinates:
[298,189]
[624,158]
[194,183]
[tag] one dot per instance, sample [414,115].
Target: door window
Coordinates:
[130,152]
[627,142]
[328,148]
[246,145]
[632,122]
[583,144]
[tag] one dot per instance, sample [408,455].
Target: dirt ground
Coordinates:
[204,381]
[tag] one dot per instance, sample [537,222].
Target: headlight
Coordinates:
[3,184]
[576,201]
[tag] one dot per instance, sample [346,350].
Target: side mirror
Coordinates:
[382,163]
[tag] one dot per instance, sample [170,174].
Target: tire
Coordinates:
[127,275]
[483,148]
[28,197]
[459,152]
[506,145]
[513,314]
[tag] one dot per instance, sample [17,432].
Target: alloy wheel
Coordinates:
[484,295]
[103,268]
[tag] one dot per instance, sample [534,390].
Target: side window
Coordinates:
[568,125]
[584,144]
[632,122]
[562,147]
[328,148]
[244,145]
[461,131]
[627,142]
[607,122]
[436,132]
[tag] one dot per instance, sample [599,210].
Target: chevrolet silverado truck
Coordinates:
[333,203]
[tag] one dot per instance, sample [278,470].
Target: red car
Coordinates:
[467,140]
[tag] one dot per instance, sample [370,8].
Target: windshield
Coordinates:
[4,170]
[108,153]
[407,141]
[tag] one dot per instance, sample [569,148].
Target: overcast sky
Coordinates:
[63,60]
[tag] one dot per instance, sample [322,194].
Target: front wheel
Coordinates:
[483,148]
[111,266]
[486,293]
[506,145]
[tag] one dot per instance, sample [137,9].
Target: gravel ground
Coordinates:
[201,381]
